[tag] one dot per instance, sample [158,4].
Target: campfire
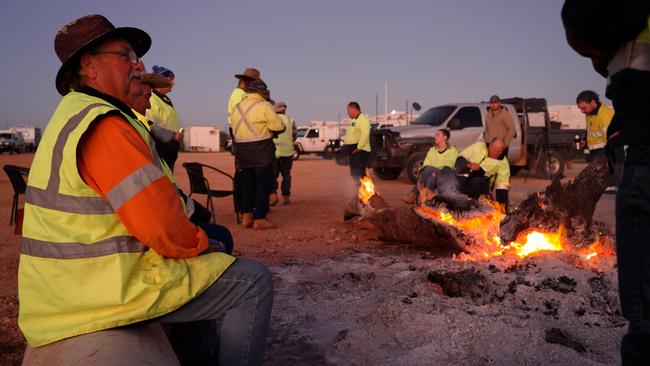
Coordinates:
[539,225]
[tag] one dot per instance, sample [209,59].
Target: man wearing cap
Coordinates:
[106,241]
[499,124]
[166,127]
[142,103]
[357,141]
[254,123]
[283,155]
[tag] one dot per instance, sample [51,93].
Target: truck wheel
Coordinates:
[296,151]
[551,165]
[342,159]
[387,173]
[414,164]
[327,155]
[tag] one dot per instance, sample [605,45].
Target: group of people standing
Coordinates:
[262,142]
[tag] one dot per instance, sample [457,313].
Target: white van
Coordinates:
[314,139]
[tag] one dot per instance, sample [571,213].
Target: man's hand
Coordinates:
[355,151]
[473,166]
[178,136]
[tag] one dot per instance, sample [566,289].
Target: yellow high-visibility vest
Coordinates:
[284,141]
[634,54]
[498,170]
[439,159]
[359,133]
[597,127]
[163,114]
[81,270]
[236,96]
[254,119]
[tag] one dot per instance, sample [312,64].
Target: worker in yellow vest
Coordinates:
[480,167]
[616,36]
[254,123]
[150,81]
[597,120]
[239,92]
[166,128]
[357,141]
[106,240]
[284,151]
[438,157]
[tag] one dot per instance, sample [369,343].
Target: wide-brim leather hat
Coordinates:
[155,80]
[250,73]
[80,35]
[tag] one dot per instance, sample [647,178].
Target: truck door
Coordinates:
[314,140]
[467,129]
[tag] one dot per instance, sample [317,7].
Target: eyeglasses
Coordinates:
[130,55]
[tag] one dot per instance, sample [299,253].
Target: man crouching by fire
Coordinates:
[480,166]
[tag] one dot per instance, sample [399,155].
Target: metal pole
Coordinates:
[376,107]
[385,98]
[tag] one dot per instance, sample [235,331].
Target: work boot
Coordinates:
[410,198]
[273,199]
[286,200]
[246,220]
[262,224]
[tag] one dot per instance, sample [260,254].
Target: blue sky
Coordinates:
[315,55]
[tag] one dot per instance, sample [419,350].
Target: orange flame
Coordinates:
[366,189]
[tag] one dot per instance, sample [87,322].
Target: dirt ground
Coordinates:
[340,301]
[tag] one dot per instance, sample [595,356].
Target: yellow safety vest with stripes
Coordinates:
[439,160]
[236,96]
[597,127]
[254,119]
[163,114]
[284,141]
[81,270]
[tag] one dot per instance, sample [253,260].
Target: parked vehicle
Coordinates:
[316,138]
[201,138]
[399,148]
[31,137]
[11,142]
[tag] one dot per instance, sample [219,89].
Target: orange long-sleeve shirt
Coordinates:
[110,151]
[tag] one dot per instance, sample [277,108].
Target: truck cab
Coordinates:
[402,147]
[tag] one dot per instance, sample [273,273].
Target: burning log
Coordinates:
[565,207]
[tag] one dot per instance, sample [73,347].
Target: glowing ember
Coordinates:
[536,241]
[366,189]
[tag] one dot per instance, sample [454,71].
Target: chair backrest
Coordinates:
[198,182]
[16,176]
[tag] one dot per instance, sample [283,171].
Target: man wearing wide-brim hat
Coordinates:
[239,92]
[106,242]
[254,124]
[149,82]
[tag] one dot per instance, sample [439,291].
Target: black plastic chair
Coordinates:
[16,176]
[199,184]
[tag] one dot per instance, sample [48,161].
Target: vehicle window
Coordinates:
[301,132]
[469,117]
[312,133]
[6,136]
[435,116]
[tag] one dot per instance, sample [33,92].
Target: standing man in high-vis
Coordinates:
[106,240]
[166,128]
[616,36]
[357,141]
[254,123]
[239,92]
[284,151]
[597,119]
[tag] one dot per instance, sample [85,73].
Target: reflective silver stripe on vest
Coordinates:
[132,184]
[243,119]
[632,55]
[72,204]
[50,197]
[43,249]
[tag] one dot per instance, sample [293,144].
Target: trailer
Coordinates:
[201,139]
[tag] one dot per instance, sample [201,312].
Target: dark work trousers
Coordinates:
[633,251]
[283,166]
[255,186]
[612,180]
[358,164]
[199,340]
[474,185]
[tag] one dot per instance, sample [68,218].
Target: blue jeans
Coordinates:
[427,179]
[633,251]
[239,303]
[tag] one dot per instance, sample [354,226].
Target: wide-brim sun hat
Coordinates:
[80,35]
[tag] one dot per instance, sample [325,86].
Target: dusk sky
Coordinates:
[314,55]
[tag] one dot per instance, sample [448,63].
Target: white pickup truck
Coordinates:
[315,139]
